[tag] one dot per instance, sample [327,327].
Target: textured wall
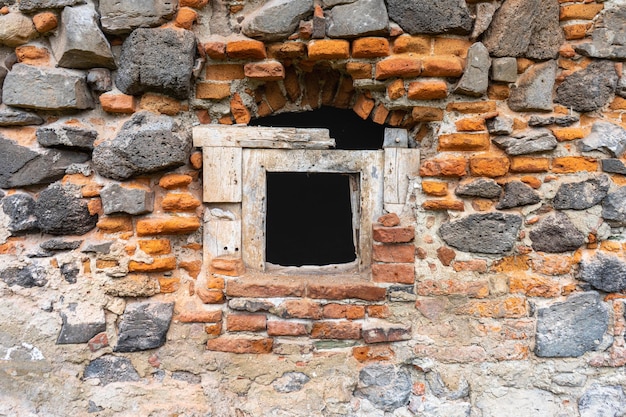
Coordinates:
[498,291]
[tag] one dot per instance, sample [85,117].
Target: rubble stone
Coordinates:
[475,79]
[16,29]
[121,17]
[614,207]
[581,195]
[517,194]
[431,16]
[602,401]
[16,117]
[556,233]
[109,368]
[20,208]
[27,277]
[66,136]
[385,386]
[528,141]
[493,233]
[61,211]
[373,19]
[144,326]
[533,90]
[118,199]
[604,272]
[605,137]
[80,324]
[481,188]
[276,19]
[588,89]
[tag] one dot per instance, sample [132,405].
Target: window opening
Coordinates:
[309,219]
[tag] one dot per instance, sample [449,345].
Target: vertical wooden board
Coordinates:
[390,194]
[407,168]
[222,174]
[222,237]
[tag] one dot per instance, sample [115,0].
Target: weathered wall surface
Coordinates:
[500,292]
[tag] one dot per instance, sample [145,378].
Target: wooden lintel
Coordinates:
[261,137]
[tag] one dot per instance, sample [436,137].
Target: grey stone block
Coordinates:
[526,142]
[385,386]
[66,136]
[615,166]
[30,6]
[58,245]
[493,233]
[12,158]
[605,137]
[28,276]
[276,19]
[588,89]
[480,188]
[556,233]
[121,17]
[118,199]
[80,323]
[533,90]
[504,69]
[431,16]
[372,19]
[535,121]
[20,208]
[604,272]
[60,210]
[16,117]
[609,40]
[602,401]
[500,125]
[99,79]
[475,79]
[110,369]
[517,194]
[290,382]
[614,207]
[144,326]
[16,29]
[581,195]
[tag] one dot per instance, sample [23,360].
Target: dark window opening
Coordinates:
[349,130]
[309,219]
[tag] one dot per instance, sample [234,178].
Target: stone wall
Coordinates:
[497,290]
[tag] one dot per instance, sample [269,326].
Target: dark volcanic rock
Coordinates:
[21,210]
[61,211]
[604,272]
[533,90]
[615,166]
[30,6]
[373,19]
[581,195]
[110,369]
[46,168]
[67,136]
[571,328]
[517,194]
[384,386]
[431,16]
[141,62]
[146,143]
[482,233]
[601,401]
[482,188]
[588,89]
[12,158]
[605,137]
[15,117]
[144,326]
[614,207]
[556,233]
[70,273]
[60,245]
[121,17]
[28,276]
[276,19]
[529,141]
[535,121]
[79,327]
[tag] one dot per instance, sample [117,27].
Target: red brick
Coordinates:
[363,106]
[300,309]
[266,287]
[343,311]
[340,291]
[443,205]
[118,103]
[287,50]
[185,17]
[432,308]
[397,234]
[370,48]
[98,342]
[246,49]
[227,265]
[246,322]
[534,285]
[274,96]
[225,72]
[239,110]
[359,70]
[396,90]
[199,316]
[476,265]
[336,330]
[378,312]
[240,345]
[446,255]
[426,114]
[451,46]
[345,91]
[393,273]
[453,287]
[576,31]
[292,84]
[380,332]
[444,167]
[456,354]
[373,353]
[464,142]
[215,50]
[167,226]
[442,66]
[329,49]
[407,43]
[210,296]
[393,253]
[212,91]
[428,90]
[472,106]
[169,285]
[286,328]
[265,71]
[398,66]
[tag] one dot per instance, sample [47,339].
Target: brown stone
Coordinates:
[45,22]
[160,104]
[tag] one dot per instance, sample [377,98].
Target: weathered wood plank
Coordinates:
[222,175]
[401,165]
[261,137]
[222,233]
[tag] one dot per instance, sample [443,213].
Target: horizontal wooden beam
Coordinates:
[261,137]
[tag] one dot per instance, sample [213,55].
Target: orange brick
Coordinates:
[374,353]
[246,322]
[343,311]
[173,181]
[380,114]
[498,91]
[180,202]
[442,66]
[426,114]
[393,253]
[552,264]
[286,328]
[572,164]
[471,124]
[378,312]
[336,330]
[363,106]
[619,103]
[210,296]
[212,91]
[451,46]
[472,106]
[215,50]
[393,273]
[115,224]
[185,17]
[225,72]
[158,103]
[265,71]
[359,70]
[396,89]
[167,226]
[370,48]
[199,316]
[32,55]
[329,49]
[464,142]
[104,263]
[155,246]
[428,287]
[239,110]
[444,167]
[393,234]
[577,31]
[193,268]
[408,43]
[533,285]
[196,4]
[45,22]
[403,66]
[246,49]
[286,50]
[455,205]
[428,90]
[227,265]
[240,345]
[118,103]
[569,133]
[158,265]
[523,164]
[215,283]
[511,263]
[580,11]
[435,188]
[509,307]
[489,166]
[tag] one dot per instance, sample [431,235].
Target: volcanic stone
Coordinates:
[615,166]
[16,29]
[99,79]
[588,89]
[533,90]
[528,141]
[609,40]
[146,143]
[276,19]
[581,195]
[606,137]
[385,386]
[80,323]
[64,135]
[373,19]
[552,120]
[604,272]
[118,199]
[493,233]
[121,17]
[144,326]
[46,88]
[571,328]
[16,117]
[110,369]
[43,169]
[29,6]
[60,245]
[61,211]
[12,158]
[475,79]
[547,36]
[556,233]
[484,16]
[20,208]
[27,277]
[500,125]
[431,16]
[614,207]
[482,188]
[517,194]
[70,272]
[141,62]
[602,401]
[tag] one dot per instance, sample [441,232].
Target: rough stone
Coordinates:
[146,143]
[528,28]
[484,16]
[110,369]
[615,166]
[504,69]
[602,401]
[535,121]
[431,16]
[144,326]
[43,169]
[250,304]
[609,40]
[60,210]
[133,286]
[481,188]
[30,6]
[80,323]
[493,233]
[12,158]
[533,90]
[606,137]
[143,53]
[559,327]
[97,247]
[528,141]
[27,277]
[16,29]
[79,43]
[373,19]
[604,272]
[517,194]
[475,79]
[17,117]
[70,272]
[556,233]
[46,88]
[614,207]
[118,199]
[527,402]
[58,245]
[588,89]
[276,19]
[20,208]
[500,125]
[385,386]
[121,17]
[99,79]
[66,136]
[581,195]
[290,382]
